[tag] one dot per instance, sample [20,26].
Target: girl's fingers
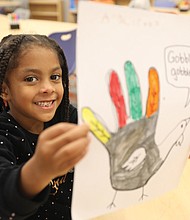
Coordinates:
[73,149]
[60,148]
[56,130]
[77,132]
[71,155]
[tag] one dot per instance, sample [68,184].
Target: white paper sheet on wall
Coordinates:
[133,71]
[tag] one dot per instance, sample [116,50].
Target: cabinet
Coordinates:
[46,9]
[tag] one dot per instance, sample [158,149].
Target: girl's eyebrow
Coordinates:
[56,68]
[35,70]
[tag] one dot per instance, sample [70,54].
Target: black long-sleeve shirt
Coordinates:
[17,146]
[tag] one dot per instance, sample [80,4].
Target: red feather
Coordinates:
[117,98]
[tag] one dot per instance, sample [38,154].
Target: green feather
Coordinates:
[134,91]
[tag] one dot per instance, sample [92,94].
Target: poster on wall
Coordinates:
[133,79]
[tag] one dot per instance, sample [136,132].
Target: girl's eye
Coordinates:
[55,77]
[31,79]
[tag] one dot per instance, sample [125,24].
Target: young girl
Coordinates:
[40,142]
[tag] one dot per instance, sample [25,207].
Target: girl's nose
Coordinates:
[47,87]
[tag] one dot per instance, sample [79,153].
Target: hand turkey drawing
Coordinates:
[133,153]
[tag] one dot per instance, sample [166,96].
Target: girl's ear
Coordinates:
[5,92]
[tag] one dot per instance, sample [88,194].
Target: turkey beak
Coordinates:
[187,121]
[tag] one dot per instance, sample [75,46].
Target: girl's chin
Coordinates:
[47,118]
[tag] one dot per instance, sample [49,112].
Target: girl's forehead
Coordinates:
[35,50]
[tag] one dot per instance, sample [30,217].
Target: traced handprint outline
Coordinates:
[133,153]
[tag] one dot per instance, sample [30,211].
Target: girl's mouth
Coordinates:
[44,103]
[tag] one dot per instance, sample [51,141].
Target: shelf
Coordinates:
[45,13]
[46,9]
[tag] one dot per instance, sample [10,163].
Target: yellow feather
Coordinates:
[96,127]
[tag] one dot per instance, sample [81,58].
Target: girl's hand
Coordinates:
[58,150]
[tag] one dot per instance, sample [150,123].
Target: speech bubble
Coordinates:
[177,62]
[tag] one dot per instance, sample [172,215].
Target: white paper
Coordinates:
[140,138]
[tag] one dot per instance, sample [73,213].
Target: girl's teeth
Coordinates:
[44,104]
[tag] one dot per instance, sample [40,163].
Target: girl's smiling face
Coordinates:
[34,89]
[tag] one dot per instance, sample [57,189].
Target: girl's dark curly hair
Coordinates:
[11,48]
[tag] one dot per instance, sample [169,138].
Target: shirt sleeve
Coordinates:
[13,205]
